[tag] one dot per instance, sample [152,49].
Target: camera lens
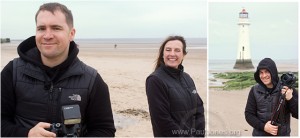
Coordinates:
[288,79]
[57,125]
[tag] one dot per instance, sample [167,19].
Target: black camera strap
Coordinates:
[278,113]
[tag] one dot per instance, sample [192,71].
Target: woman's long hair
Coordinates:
[160,59]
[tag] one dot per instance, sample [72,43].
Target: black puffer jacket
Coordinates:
[175,107]
[36,93]
[262,101]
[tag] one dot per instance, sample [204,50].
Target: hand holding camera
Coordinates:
[288,81]
[70,127]
[40,130]
[288,92]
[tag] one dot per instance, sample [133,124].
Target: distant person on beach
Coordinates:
[49,75]
[263,99]
[175,107]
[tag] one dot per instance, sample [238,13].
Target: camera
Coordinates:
[62,130]
[288,79]
[71,122]
[57,129]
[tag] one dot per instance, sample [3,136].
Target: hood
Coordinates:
[28,51]
[269,64]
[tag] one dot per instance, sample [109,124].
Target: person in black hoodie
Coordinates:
[175,107]
[49,75]
[263,99]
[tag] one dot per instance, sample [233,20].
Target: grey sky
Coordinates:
[273,29]
[113,18]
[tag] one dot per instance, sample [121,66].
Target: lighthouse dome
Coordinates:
[243,12]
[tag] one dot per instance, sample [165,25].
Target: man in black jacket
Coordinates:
[49,75]
[176,109]
[263,99]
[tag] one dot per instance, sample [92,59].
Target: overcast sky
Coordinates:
[273,29]
[113,18]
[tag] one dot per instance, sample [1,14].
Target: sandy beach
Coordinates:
[125,71]
[226,108]
[226,113]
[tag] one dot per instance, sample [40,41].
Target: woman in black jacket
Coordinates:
[175,107]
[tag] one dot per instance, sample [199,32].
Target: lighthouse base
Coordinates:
[243,64]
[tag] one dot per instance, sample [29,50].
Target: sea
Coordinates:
[227,65]
[131,43]
[140,43]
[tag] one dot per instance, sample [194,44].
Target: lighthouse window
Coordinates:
[243,15]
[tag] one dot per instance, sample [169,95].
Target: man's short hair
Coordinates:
[54,6]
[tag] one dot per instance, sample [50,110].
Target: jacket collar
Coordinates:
[38,73]
[175,73]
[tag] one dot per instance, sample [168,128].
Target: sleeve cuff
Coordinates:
[22,132]
[261,126]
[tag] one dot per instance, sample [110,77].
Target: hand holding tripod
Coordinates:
[277,118]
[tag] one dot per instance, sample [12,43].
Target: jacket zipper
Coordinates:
[51,92]
[58,108]
[193,98]
[52,109]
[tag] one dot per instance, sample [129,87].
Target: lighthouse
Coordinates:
[243,60]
